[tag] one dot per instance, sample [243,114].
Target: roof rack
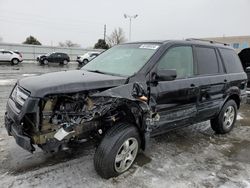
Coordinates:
[210,41]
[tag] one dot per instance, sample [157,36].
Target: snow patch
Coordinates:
[7,82]
[25,75]
[239,117]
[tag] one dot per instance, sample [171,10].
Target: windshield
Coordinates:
[124,60]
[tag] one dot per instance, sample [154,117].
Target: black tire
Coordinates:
[218,124]
[85,61]
[15,61]
[45,62]
[65,62]
[111,144]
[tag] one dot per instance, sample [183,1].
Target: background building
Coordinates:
[237,42]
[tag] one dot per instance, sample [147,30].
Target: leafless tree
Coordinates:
[68,43]
[116,37]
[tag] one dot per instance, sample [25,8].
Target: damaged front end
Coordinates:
[55,121]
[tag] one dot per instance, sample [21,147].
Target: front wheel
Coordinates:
[225,121]
[117,151]
[45,62]
[84,62]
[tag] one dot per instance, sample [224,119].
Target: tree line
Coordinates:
[116,37]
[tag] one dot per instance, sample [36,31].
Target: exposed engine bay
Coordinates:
[73,117]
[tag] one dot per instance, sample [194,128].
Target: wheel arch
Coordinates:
[234,97]
[135,115]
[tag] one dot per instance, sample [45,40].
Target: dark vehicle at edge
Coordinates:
[126,95]
[55,57]
[245,60]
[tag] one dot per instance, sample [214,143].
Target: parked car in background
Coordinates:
[55,57]
[10,56]
[87,57]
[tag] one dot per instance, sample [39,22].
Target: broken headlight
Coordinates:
[19,95]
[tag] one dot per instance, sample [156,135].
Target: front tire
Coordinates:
[84,62]
[117,151]
[225,121]
[45,62]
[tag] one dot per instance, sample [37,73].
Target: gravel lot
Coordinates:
[190,157]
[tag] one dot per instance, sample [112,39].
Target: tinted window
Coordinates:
[6,52]
[231,61]
[179,58]
[207,60]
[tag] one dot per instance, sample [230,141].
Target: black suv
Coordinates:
[126,95]
[54,57]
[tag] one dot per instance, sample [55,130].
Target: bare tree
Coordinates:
[68,43]
[116,37]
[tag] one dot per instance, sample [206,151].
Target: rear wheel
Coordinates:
[14,61]
[65,62]
[225,121]
[117,151]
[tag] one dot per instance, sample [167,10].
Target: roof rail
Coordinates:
[210,41]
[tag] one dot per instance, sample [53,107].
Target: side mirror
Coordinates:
[164,75]
[248,69]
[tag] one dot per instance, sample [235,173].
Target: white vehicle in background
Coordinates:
[87,57]
[9,56]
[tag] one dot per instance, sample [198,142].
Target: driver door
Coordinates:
[175,101]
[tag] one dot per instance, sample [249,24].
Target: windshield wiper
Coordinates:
[97,71]
[102,72]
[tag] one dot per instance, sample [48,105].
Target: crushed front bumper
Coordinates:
[13,122]
[22,140]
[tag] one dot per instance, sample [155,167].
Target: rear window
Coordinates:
[207,60]
[231,61]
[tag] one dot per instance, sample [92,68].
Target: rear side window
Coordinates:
[231,61]
[7,52]
[207,60]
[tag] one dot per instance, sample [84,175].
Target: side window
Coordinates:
[207,60]
[179,58]
[7,53]
[231,61]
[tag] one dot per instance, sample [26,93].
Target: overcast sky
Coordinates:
[82,22]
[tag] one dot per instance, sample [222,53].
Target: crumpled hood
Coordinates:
[68,82]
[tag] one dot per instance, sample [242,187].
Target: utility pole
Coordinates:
[130,22]
[104,37]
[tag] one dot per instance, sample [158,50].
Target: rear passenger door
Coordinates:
[213,81]
[58,57]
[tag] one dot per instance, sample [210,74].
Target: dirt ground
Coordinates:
[190,157]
